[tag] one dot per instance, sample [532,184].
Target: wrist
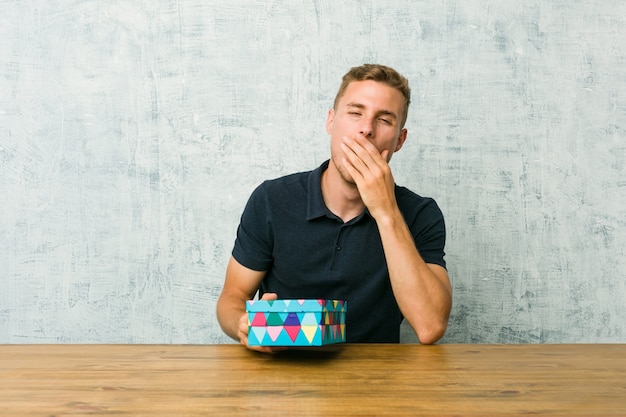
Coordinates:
[388,218]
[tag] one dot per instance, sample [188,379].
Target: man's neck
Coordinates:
[340,196]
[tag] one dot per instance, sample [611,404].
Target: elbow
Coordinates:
[430,338]
[432,332]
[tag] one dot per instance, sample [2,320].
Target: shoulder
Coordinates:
[282,191]
[284,186]
[289,180]
[422,214]
[413,203]
[426,222]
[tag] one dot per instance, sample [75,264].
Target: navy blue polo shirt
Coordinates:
[308,252]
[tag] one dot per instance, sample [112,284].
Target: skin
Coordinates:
[365,130]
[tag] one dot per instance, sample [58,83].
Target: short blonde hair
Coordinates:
[379,73]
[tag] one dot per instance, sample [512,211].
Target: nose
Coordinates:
[367,128]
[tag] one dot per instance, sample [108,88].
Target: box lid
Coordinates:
[290,305]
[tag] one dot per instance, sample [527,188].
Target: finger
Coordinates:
[372,151]
[243,337]
[352,160]
[362,153]
[361,162]
[353,147]
[268,296]
[352,170]
[349,155]
[243,330]
[364,142]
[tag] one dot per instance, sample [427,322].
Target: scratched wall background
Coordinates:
[131,134]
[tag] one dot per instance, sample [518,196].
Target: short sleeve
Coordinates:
[429,232]
[253,244]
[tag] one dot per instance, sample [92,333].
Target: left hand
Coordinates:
[371,173]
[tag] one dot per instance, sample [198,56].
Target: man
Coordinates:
[345,230]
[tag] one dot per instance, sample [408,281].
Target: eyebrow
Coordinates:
[378,113]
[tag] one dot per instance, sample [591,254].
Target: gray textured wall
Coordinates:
[132,132]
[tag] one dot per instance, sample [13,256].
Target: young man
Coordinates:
[345,230]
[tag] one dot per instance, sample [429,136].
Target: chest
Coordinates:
[325,249]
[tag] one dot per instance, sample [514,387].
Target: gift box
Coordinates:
[296,322]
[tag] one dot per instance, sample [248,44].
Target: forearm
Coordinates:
[422,291]
[230,309]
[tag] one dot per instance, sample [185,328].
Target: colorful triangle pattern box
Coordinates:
[296,322]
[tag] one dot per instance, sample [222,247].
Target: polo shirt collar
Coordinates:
[316,207]
[315,204]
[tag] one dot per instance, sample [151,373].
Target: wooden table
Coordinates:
[395,380]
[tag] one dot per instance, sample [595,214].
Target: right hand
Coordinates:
[243,330]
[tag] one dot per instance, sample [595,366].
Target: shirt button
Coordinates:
[338,247]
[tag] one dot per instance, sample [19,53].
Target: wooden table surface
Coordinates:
[342,380]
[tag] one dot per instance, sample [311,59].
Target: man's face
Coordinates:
[372,109]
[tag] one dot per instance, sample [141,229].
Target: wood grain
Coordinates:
[395,380]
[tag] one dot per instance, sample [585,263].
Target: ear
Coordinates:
[329,120]
[401,139]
